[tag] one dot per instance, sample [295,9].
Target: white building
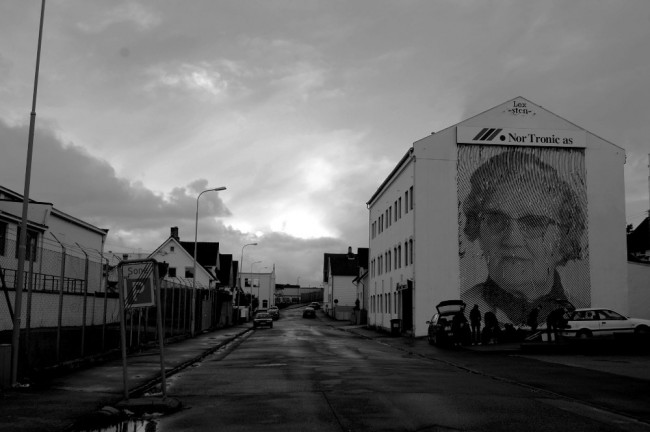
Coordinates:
[260,285]
[465,208]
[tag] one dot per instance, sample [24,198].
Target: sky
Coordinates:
[299,108]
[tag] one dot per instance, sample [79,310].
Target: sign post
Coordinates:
[139,286]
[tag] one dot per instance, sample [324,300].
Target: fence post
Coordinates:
[61,282]
[85,303]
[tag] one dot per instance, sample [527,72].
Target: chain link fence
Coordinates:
[71,311]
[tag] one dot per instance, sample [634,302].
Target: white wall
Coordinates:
[638,282]
[399,231]
[436,226]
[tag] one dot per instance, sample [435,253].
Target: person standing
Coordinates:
[533,318]
[475,322]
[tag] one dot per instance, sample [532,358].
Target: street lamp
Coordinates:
[241,269]
[196,231]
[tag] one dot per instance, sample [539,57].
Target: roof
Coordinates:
[225,266]
[207,253]
[343,265]
[10,195]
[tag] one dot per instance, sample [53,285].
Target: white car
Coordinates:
[585,323]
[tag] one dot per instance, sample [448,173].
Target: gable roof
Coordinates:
[225,269]
[207,253]
[340,265]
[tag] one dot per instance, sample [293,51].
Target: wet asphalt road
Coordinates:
[304,375]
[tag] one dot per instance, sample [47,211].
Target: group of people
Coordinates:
[492,333]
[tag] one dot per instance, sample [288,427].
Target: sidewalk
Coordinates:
[632,364]
[57,404]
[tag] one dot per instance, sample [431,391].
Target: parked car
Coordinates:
[587,323]
[314,305]
[262,319]
[274,311]
[309,312]
[442,330]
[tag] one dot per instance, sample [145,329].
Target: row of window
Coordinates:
[392,260]
[384,303]
[393,213]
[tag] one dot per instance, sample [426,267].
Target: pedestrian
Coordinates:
[459,328]
[533,317]
[554,322]
[475,322]
[491,330]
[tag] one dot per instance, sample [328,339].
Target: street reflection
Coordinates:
[126,426]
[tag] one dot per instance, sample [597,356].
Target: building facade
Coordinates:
[511,209]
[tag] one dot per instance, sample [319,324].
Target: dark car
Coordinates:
[274,311]
[262,319]
[314,305]
[449,325]
[309,312]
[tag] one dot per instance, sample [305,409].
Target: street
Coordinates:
[307,375]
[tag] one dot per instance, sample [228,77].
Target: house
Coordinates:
[514,175]
[54,238]
[213,307]
[179,256]
[260,285]
[339,272]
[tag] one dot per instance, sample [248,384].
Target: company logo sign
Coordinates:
[521,137]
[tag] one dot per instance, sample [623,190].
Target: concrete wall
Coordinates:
[638,282]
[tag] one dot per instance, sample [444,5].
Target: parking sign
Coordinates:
[138,283]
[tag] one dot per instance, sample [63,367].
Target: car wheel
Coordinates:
[642,332]
[584,335]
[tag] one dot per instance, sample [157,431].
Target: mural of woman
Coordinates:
[528,222]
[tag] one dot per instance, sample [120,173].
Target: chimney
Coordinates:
[174,233]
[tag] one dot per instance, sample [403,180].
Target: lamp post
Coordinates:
[241,263]
[196,231]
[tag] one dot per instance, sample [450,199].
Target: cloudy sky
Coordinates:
[299,107]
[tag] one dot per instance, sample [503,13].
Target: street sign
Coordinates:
[140,287]
[138,282]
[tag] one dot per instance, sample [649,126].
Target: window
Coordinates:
[406,253]
[388,303]
[399,256]
[406,202]
[395,210]
[411,192]
[189,272]
[3,237]
[390,215]
[395,302]
[171,249]
[247,282]
[388,262]
[30,251]
[395,258]
[171,272]
[399,207]
[411,249]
